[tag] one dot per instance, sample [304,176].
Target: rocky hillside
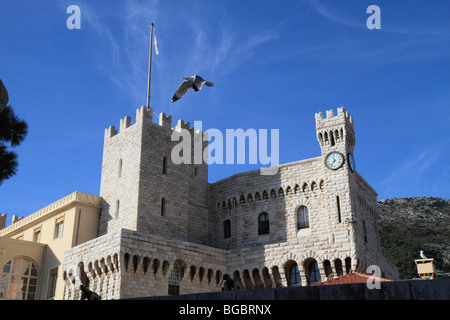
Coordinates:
[408,225]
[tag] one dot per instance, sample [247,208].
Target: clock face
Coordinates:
[334,160]
[351,161]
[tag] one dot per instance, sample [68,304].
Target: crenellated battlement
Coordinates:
[164,121]
[335,130]
[331,120]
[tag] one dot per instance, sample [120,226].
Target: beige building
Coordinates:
[163,229]
[32,248]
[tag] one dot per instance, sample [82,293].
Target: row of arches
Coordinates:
[147,265]
[331,137]
[292,273]
[103,277]
[273,194]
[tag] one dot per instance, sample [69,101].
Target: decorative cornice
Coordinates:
[76,197]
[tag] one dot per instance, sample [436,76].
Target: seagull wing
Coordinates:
[198,83]
[182,89]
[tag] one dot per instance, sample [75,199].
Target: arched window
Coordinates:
[18,280]
[338,267]
[289,190]
[312,272]
[294,279]
[242,199]
[305,187]
[174,280]
[273,193]
[302,217]
[135,263]
[327,268]
[348,265]
[263,223]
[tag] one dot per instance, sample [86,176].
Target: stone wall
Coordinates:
[133,182]
[397,290]
[189,232]
[128,264]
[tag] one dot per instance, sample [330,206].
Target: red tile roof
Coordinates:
[354,277]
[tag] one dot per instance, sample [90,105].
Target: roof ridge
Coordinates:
[358,274]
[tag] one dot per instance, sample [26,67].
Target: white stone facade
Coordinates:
[148,246]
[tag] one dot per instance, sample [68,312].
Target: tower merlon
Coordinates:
[331,119]
[124,123]
[143,112]
[182,125]
[110,132]
[3,220]
[165,121]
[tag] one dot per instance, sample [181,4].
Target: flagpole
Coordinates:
[150,65]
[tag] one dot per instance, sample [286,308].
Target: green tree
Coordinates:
[12,132]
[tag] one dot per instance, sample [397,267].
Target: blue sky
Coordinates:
[275,64]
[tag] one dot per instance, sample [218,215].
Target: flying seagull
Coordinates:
[196,82]
[422,255]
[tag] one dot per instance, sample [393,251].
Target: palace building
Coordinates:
[159,228]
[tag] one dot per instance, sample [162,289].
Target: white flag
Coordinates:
[156,44]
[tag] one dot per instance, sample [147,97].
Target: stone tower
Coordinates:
[336,137]
[350,199]
[143,190]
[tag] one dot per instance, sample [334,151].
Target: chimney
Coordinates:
[426,268]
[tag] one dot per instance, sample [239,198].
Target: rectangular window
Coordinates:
[164,168]
[226,229]
[117,208]
[59,225]
[52,283]
[338,204]
[163,207]
[37,235]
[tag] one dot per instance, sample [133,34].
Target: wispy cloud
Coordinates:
[411,172]
[331,12]
[334,14]
[191,43]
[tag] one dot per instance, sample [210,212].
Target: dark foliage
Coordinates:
[12,132]
[408,225]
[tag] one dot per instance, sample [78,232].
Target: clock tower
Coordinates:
[336,137]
